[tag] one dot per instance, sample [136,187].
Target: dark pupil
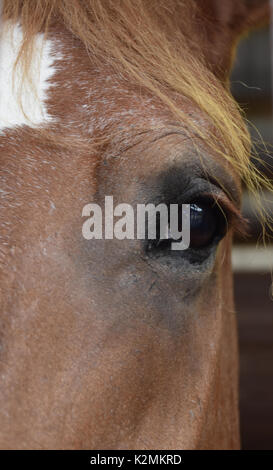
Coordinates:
[206,224]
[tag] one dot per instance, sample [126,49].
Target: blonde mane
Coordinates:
[134,37]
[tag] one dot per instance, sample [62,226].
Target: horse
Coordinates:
[108,343]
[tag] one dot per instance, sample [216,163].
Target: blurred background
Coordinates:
[253,265]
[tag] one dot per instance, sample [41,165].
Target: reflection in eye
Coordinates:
[207,226]
[207,223]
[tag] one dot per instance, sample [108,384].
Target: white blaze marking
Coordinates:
[23,102]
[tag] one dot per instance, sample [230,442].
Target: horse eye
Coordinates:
[207,224]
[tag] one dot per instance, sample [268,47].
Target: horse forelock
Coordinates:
[156,48]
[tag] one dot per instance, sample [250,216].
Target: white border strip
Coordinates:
[252,259]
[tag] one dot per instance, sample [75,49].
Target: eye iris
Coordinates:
[204,223]
[207,224]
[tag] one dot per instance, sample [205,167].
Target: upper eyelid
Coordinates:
[210,191]
[235,217]
[232,196]
[180,185]
[233,214]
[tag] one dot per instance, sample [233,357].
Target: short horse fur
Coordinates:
[102,346]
